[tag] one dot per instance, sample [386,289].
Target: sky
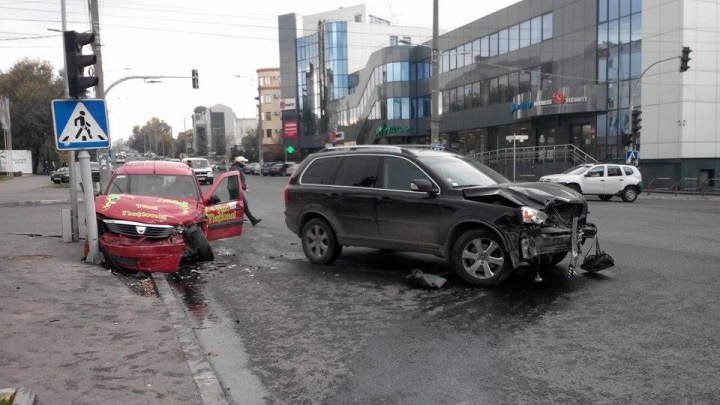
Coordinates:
[219,38]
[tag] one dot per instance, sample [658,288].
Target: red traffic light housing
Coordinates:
[76,62]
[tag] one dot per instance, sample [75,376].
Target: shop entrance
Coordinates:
[582,137]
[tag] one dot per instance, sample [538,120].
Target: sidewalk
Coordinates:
[76,333]
[30,190]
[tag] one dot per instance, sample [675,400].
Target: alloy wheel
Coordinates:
[482,258]
[317,241]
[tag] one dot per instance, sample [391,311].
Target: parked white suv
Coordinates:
[604,180]
[201,168]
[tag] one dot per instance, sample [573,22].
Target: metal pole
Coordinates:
[259,135]
[105,164]
[632,93]
[89,202]
[514,143]
[71,155]
[435,79]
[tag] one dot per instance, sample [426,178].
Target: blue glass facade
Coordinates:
[619,64]
[336,55]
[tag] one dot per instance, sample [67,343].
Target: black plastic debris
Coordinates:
[424,280]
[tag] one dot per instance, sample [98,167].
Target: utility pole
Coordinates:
[75,227]
[105,163]
[435,79]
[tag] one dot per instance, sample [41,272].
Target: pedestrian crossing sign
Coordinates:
[80,124]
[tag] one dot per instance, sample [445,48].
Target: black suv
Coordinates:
[423,200]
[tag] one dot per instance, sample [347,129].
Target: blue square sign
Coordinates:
[80,124]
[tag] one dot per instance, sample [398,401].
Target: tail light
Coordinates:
[287,191]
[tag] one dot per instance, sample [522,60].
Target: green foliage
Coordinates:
[31,85]
[155,136]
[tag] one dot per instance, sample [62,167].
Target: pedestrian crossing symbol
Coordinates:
[80,124]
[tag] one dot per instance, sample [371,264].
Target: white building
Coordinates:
[681,111]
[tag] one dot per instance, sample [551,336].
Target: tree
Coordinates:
[249,145]
[31,85]
[155,136]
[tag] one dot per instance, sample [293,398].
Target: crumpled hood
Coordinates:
[149,210]
[538,195]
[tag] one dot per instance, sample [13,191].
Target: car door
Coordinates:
[615,181]
[594,181]
[355,190]
[404,216]
[224,207]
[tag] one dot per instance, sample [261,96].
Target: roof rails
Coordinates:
[397,148]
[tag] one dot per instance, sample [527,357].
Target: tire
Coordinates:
[210,181]
[319,242]
[574,187]
[202,247]
[481,249]
[629,194]
[56,181]
[606,197]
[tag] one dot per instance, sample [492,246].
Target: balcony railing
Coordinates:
[536,154]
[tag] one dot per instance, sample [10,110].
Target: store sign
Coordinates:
[385,130]
[290,128]
[564,100]
[287,104]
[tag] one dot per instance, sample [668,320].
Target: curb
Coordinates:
[32,203]
[681,197]
[23,396]
[205,378]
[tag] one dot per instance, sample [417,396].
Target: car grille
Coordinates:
[124,261]
[562,214]
[128,228]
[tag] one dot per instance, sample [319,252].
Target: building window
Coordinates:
[393,41]
[504,41]
[266,98]
[547,21]
[268,115]
[268,133]
[536,30]
[358,17]
[525,34]
[514,38]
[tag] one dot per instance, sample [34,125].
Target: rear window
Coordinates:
[628,171]
[358,171]
[320,171]
[614,171]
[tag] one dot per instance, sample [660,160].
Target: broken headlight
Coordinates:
[532,216]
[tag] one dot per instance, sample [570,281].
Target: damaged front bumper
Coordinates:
[539,242]
[143,254]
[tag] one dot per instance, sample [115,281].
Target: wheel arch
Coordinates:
[463,226]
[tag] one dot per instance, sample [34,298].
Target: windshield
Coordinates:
[459,171]
[155,185]
[199,164]
[576,170]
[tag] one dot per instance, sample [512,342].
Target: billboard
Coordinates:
[287,104]
[21,161]
[290,128]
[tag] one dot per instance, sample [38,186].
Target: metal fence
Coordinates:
[536,154]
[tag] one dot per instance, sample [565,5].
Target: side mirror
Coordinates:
[213,200]
[423,186]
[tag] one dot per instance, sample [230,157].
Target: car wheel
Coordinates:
[319,242]
[56,181]
[629,194]
[574,187]
[480,258]
[606,197]
[210,181]
[199,242]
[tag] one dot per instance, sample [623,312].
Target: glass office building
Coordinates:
[561,72]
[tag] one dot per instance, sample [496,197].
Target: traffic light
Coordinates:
[290,150]
[76,62]
[685,59]
[636,122]
[195,81]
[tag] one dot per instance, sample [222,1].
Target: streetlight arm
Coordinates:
[143,78]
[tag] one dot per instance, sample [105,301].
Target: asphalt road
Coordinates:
[278,327]
[644,331]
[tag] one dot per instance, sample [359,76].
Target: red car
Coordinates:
[153,213]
